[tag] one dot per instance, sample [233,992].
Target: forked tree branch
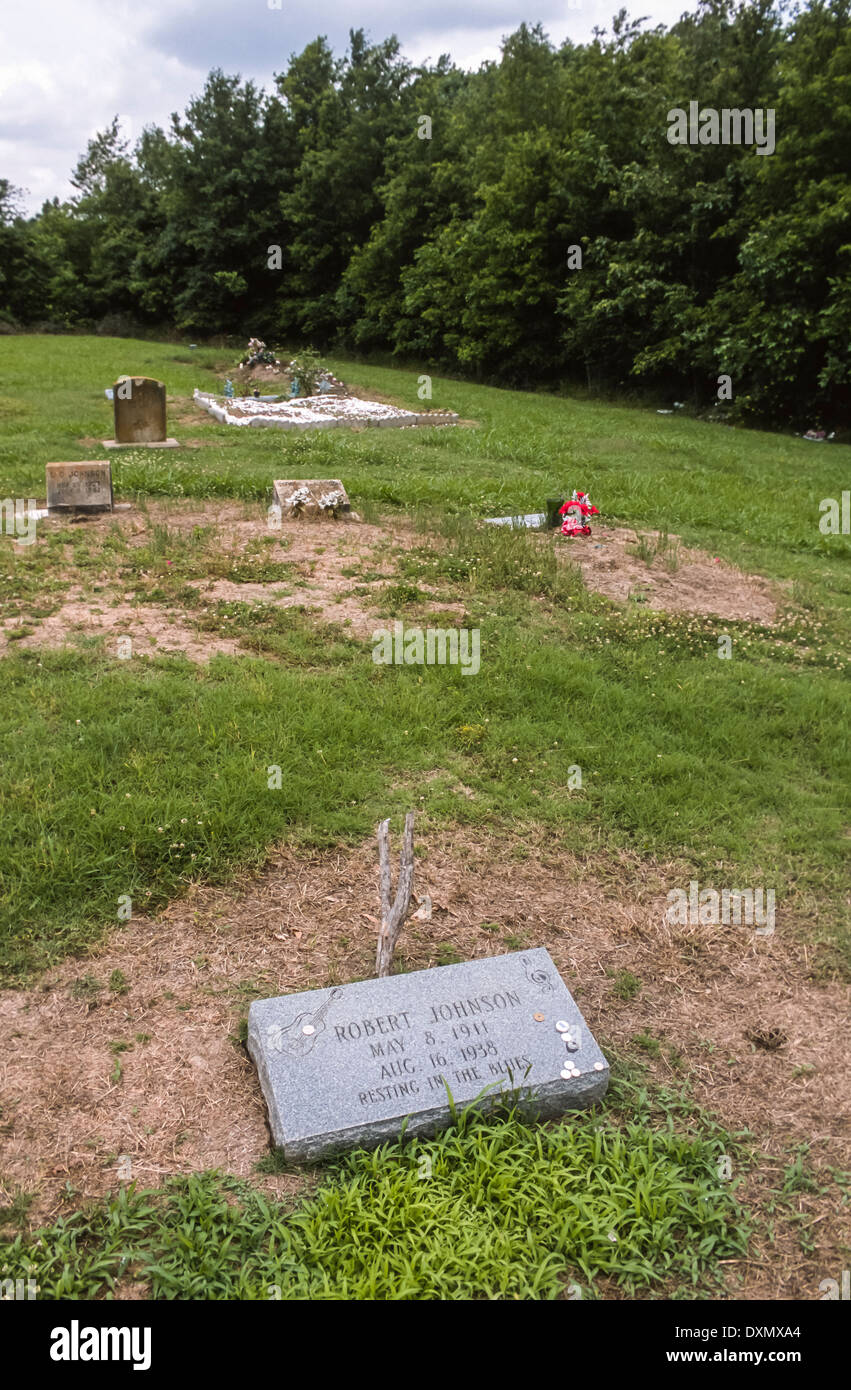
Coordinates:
[393,914]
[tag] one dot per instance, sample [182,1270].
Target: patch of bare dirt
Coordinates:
[187,1096]
[319,552]
[700,584]
[152,630]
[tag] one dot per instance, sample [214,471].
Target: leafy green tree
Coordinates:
[334,201]
[542,228]
[216,178]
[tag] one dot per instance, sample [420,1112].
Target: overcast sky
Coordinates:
[68,66]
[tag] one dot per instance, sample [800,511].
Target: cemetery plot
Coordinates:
[165,998]
[199,579]
[315,412]
[672,577]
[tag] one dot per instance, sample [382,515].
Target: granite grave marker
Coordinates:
[81,487]
[354,1065]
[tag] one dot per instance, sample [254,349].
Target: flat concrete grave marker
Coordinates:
[532,521]
[311,497]
[80,487]
[138,404]
[343,1068]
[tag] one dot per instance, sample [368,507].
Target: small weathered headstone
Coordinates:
[355,1065]
[138,404]
[81,487]
[311,497]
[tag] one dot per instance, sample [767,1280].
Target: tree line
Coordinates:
[529,224]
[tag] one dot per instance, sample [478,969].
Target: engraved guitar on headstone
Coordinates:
[298,1037]
[399,1053]
[539,978]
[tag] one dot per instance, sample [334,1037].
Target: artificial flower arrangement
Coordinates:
[331,503]
[298,500]
[258,355]
[576,513]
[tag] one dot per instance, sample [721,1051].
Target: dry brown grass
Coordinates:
[319,552]
[700,583]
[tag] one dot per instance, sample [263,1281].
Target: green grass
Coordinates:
[491,1209]
[626,985]
[648,548]
[120,778]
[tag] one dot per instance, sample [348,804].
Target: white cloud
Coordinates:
[67,69]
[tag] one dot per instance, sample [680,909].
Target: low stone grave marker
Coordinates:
[80,487]
[312,497]
[532,521]
[138,404]
[356,1065]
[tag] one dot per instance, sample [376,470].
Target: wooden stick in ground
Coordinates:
[393,914]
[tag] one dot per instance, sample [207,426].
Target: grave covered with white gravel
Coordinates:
[315,412]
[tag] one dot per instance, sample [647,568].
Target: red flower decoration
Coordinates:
[580,508]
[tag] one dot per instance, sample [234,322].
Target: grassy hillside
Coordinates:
[685,757]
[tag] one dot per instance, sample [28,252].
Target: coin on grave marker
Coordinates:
[539,1018]
[308,1029]
[562,1026]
